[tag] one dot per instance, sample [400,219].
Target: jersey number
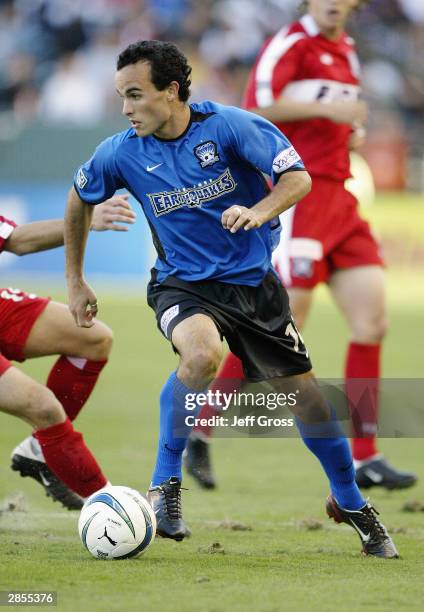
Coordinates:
[12,294]
[293,333]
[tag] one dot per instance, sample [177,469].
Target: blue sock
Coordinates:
[335,456]
[173,431]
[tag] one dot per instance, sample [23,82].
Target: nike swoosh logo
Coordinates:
[151,168]
[374,476]
[44,480]
[364,536]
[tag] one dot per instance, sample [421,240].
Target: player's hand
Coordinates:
[111,214]
[236,217]
[82,304]
[350,113]
[357,138]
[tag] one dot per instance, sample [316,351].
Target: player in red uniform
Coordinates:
[30,326]
[306,81]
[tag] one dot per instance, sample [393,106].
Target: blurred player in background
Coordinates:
[197,172]
[306,81]
[30,326]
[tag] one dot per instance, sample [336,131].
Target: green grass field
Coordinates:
[292,558]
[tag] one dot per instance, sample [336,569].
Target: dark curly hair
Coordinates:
[303,7]
[166,61]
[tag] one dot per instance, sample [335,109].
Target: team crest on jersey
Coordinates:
[326,59]
[82,180]
[207,153]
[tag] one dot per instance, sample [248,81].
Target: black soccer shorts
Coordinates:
[255,321]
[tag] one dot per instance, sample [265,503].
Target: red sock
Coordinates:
[232,370]
[68,457]
[362,380]
[72,380]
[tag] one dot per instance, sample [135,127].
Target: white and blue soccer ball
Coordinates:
[117,523]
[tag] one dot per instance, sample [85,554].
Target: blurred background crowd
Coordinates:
[57,61]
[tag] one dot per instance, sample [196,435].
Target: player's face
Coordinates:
[147,108]
[331,15]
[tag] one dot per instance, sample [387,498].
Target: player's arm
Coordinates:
[44,235]
[291,187]
[82,299]
[265,92]
[259,143]
[286,110]
[34,237]
[94,182]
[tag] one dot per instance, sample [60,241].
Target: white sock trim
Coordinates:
[363,462]
[78,362]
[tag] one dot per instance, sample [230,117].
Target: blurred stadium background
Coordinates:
[57,101]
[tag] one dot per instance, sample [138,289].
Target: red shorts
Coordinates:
[4,364]
[322,234]
[18,313]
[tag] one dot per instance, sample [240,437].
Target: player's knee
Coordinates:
[42,408]
[105,343]
[101,344]
[201,365]
[371,330]
[381,329]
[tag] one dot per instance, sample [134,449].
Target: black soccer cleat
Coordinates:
[28,460]
[379,473]
[373,534]
[197,462]
[165,500]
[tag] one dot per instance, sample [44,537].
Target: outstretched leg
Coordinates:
[65,452]
[321,433]
[199,345]
[230,377]
[83,354]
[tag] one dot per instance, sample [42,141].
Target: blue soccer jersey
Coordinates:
[184,185]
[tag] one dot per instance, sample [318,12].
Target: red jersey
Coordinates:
[6,228]
[298,63]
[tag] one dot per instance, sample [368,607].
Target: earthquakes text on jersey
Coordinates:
[168,201]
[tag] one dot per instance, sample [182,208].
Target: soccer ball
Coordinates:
[117,523]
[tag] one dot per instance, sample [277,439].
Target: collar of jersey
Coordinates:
[181,135]
[311,28]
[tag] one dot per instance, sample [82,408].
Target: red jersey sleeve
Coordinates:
[277,65]
[6,228]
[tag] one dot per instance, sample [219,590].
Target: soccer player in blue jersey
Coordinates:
[197,172]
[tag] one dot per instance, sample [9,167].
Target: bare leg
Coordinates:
[83,352]
[200,348]
[23,397]
[300,304]
[360,295]
[55,333]
[64,449]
